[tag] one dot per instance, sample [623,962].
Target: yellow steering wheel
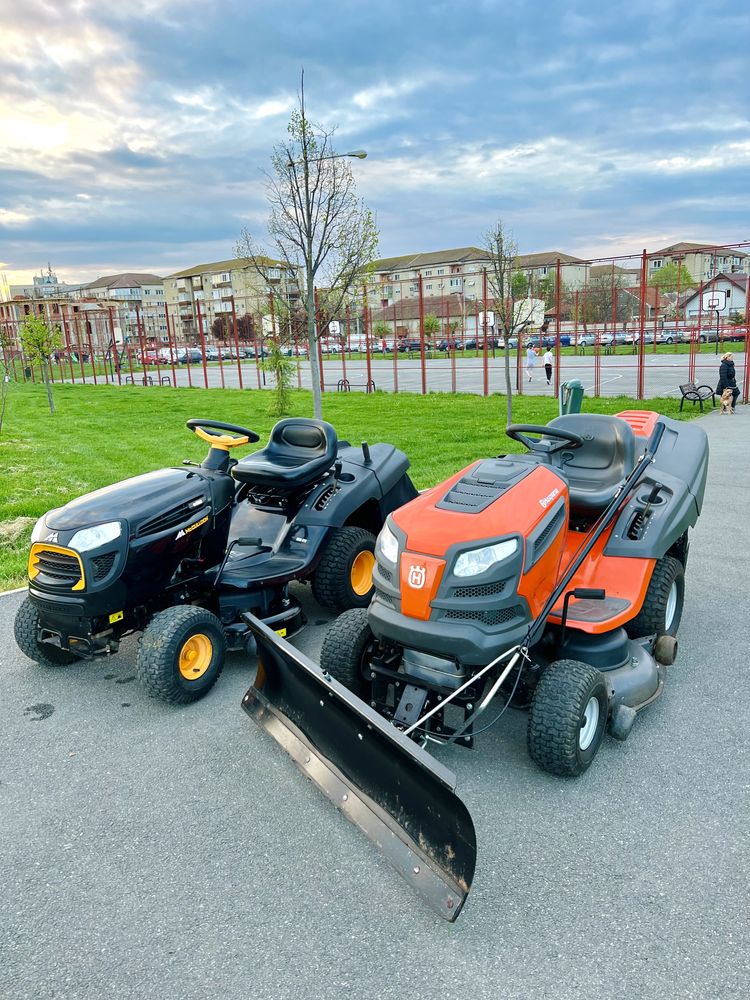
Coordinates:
[206,430]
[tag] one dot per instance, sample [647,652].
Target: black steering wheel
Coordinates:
[205,430]
[567,439]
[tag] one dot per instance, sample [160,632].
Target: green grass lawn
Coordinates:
[99,435]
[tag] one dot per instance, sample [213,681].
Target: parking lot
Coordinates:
[160,852]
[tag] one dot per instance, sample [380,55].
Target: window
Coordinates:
[455,282]
[413,288]
[273,272]
[655,264]
[543,271]
[441,270]
[428,274]
[429,287]
[396,277]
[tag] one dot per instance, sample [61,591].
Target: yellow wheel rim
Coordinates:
[196,656]
[361,574]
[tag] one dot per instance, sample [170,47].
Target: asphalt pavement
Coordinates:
[162,853]
[618,374]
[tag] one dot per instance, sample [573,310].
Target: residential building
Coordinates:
[210,290]
[574,272]
[44,285]
[143,297]
[459,272]
[619,277]
[702,261]
[731,293]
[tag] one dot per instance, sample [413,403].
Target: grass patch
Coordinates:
[102,434]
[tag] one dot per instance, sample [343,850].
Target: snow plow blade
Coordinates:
[401,798]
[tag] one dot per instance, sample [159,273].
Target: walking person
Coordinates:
[548,361]
[727,378]
[530,361]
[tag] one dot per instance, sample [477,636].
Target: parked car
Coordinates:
[185,355]
[410,345]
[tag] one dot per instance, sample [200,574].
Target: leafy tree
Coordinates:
[317,224]
[512,306]
[431,325]
[39,344]
[667,278]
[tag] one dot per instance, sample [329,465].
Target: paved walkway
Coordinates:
[155,853]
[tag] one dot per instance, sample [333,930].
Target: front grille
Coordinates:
[59,569]
[385,598]
[385,574]
[495,616]
[103,564]
[481,590]
[56,608]
[171,518]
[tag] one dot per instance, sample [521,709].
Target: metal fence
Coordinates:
[607,324]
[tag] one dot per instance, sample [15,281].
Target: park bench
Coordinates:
[344,385]
[697,394]
[148,380]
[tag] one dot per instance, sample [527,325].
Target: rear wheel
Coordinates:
[181,654]
[661,611]
[567,718]
[345,649]
[26,630]
[343,578]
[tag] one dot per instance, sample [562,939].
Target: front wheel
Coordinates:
[346,647]
[181,654]
[343,579]
[661,611]
[26,631]
[567,718]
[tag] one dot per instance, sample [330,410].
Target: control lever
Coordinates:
[581,594]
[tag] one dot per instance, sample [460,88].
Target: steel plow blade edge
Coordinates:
[401,798]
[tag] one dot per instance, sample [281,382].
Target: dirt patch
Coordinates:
[11,532]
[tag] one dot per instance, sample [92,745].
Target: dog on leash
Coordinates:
[726,401]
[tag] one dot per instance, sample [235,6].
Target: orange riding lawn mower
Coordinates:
[551,581]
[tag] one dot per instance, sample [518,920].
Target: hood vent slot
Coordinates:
[172,518]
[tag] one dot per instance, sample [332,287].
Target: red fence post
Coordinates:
[485,358]
[642,326]
[395,351]
[746,380]
[558,317]
[172,342]
[236,341]
[220,350]
[421,337]
[203,341]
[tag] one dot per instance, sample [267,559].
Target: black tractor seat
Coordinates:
[298,453]
[596,469]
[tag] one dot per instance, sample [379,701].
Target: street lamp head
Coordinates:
[360,154]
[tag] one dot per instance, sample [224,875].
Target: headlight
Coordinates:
[92,538]
[479,560]
[388,544]
[40,529]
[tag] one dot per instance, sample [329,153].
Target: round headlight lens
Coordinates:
[388,544]
[479,560]
[92,538]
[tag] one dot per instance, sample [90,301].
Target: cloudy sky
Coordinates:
[133,134]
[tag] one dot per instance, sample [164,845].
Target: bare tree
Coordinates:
[514,307]
[317,224]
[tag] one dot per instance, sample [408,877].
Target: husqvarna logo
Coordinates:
[546,501]
[417,577]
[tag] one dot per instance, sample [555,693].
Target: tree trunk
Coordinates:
[508,385]
[48,385]
[312,345]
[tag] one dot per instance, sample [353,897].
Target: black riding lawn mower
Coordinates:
[181,553]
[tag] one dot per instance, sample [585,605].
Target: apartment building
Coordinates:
[210,290]
[702,261]
[141,295]
[620,277]
[459,272]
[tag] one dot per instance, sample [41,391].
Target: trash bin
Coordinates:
[27,373]
[571,396]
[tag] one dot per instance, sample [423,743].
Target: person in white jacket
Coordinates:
[530,361]
[548,360]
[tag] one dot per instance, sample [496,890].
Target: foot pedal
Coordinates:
[411,706]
